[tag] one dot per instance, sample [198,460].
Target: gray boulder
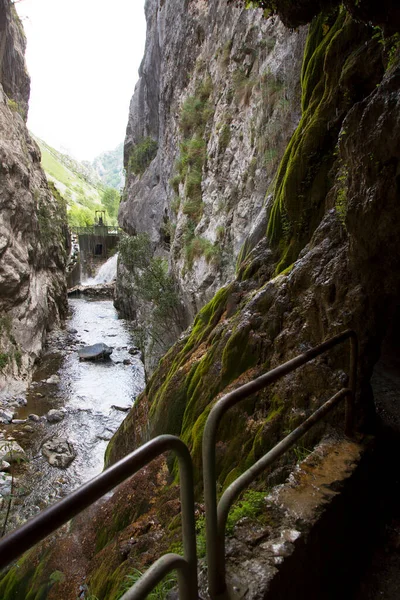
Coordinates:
[55,416]
[6,416]
[96,352]
[5,484]
[11,451]
[59,452]
[53,379]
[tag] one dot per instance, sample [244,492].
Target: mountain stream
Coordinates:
[93,397]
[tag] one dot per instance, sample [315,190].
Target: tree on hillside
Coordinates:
[110,201]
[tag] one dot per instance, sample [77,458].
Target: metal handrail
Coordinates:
[35,530]
[97,230]
[216,514]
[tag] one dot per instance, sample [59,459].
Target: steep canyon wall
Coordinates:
[32,220]
[326,258]
[219,97]
[266,160]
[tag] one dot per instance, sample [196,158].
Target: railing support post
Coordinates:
[215,515]
[351,399]
[35,530]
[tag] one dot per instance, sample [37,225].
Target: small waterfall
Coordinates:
[106,273]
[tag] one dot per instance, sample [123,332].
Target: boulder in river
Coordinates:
[5,484]
[95,352]
[6,416]
[55,416]
[11,451]
[53,379]
[59,452]
[121,408]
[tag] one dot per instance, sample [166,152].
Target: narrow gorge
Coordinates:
[260,218]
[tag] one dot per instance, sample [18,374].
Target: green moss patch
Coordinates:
[303,177]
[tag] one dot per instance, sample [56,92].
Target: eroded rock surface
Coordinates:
[219,90]
[32,220]
[59,452]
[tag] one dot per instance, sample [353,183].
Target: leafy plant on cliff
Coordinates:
[4,358]
[199,246]
[14,106]
[161,590]
[195,114]
[141,155]
[341,195]
[153,288]
[303,178]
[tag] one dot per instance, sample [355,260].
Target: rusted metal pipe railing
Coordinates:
[35,530]
[216,514]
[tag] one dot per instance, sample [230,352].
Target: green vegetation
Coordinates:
[4,359]
[161,590]
[110,200]
[141,155]
[9,349]
[303,176]
[81,187]
[199,246]
[109,167]
[250,506]
[341,194]
[152,286]
[243,86]
[195,114]
[301,452]
[28,579]
[224,137]
[80,216]
[14,106]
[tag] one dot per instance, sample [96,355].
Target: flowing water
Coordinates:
[94,396]
[106,273]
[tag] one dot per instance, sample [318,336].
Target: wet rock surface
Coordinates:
[95,352]
[272,556]
[55,416]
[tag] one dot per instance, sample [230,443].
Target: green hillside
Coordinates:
[109,166]
[81,187]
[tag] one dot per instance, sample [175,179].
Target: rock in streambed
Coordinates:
[95,352]
[59,452]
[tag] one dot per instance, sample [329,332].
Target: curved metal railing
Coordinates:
[216,513]
[35,530]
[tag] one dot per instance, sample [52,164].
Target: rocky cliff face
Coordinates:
[32,220]
[329,261]
[219,97]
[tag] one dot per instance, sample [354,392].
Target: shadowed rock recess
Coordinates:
[263,165]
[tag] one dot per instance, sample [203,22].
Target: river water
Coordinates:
[94,395]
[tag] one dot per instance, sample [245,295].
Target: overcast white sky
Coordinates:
[83,58]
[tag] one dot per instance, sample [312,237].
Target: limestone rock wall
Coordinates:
[329,262]
[219,93]
[32,221]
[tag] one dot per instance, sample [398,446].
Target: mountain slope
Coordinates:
[109,166]
[80,185]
